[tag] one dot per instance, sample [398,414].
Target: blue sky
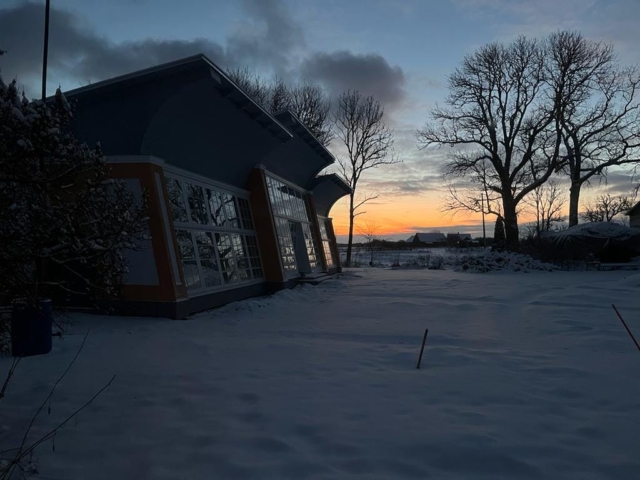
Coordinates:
[399,50]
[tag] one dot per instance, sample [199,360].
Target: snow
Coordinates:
[523,376]
[477,260]
[598,230]
[504,261]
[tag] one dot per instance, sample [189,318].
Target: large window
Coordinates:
[289,209]
[215,234]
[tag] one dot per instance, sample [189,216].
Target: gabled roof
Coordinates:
[431,237]
[225,85]
[292,122]
[634,210]
[459,236]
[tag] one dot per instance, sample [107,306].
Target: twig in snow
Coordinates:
[424,340]
[625,326]
[23,452]
[12,369]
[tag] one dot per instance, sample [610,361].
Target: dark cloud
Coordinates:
[77,53]
[267,38]
[369,73]
[618,181]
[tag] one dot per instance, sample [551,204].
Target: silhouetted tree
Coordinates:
[503,124]
[369,231]
[600,111]
[605,208]
[304,99]
[546,202]
[368,141]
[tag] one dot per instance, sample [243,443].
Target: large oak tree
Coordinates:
[501,119]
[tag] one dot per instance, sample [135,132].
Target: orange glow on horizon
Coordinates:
[402,215]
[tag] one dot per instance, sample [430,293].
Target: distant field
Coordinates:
[416,257]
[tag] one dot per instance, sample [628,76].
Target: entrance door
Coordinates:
[300,248]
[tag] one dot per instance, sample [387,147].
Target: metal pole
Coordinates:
[484,230]
[46,49]
[424,340]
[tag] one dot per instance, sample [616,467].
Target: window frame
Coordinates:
[192,227]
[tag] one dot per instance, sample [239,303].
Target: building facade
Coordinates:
[236,205]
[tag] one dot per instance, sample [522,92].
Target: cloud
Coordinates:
[76,53]
[612,21]
[269,37]
[370,73]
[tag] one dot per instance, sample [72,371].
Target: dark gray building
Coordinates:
[236,204]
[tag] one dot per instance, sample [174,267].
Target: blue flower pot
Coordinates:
[31,330]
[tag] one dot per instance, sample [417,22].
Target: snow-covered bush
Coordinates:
[510,261]
[63,221]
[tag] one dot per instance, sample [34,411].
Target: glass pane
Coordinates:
[196,204]
[309,244]
[230,211]
[245,213]
[208,262]
[323,229]
[188,257]
[176,200]
[286,245]
[242,262]
[227,259]
[215,205]
[327,253]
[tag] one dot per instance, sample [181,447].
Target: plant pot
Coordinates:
[31,329]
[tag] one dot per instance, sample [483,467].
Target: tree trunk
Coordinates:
[574,202]
[512,243]
[350,243]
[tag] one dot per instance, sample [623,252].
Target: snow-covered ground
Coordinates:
[524,376]
[406,257]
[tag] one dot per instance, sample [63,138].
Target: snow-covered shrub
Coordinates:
[436,262]
[510,261]
[63,221]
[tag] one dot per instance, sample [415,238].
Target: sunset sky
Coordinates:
[401,51]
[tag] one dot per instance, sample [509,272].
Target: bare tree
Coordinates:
[253,84]
[304,99]
[370,233]
[361,127]
[605,208]
[498,114]
[474,197]
[311,105]
[546,202]
[600,112]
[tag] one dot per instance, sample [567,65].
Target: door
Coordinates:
[299,248]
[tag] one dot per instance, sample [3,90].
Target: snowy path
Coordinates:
[524,376]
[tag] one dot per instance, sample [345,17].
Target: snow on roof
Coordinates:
[596,230]
[433,237]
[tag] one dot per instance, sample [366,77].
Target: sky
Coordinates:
[400,51]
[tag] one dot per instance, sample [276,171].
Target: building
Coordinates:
[634,216]
[459,239]
[237,207]
[429,239]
